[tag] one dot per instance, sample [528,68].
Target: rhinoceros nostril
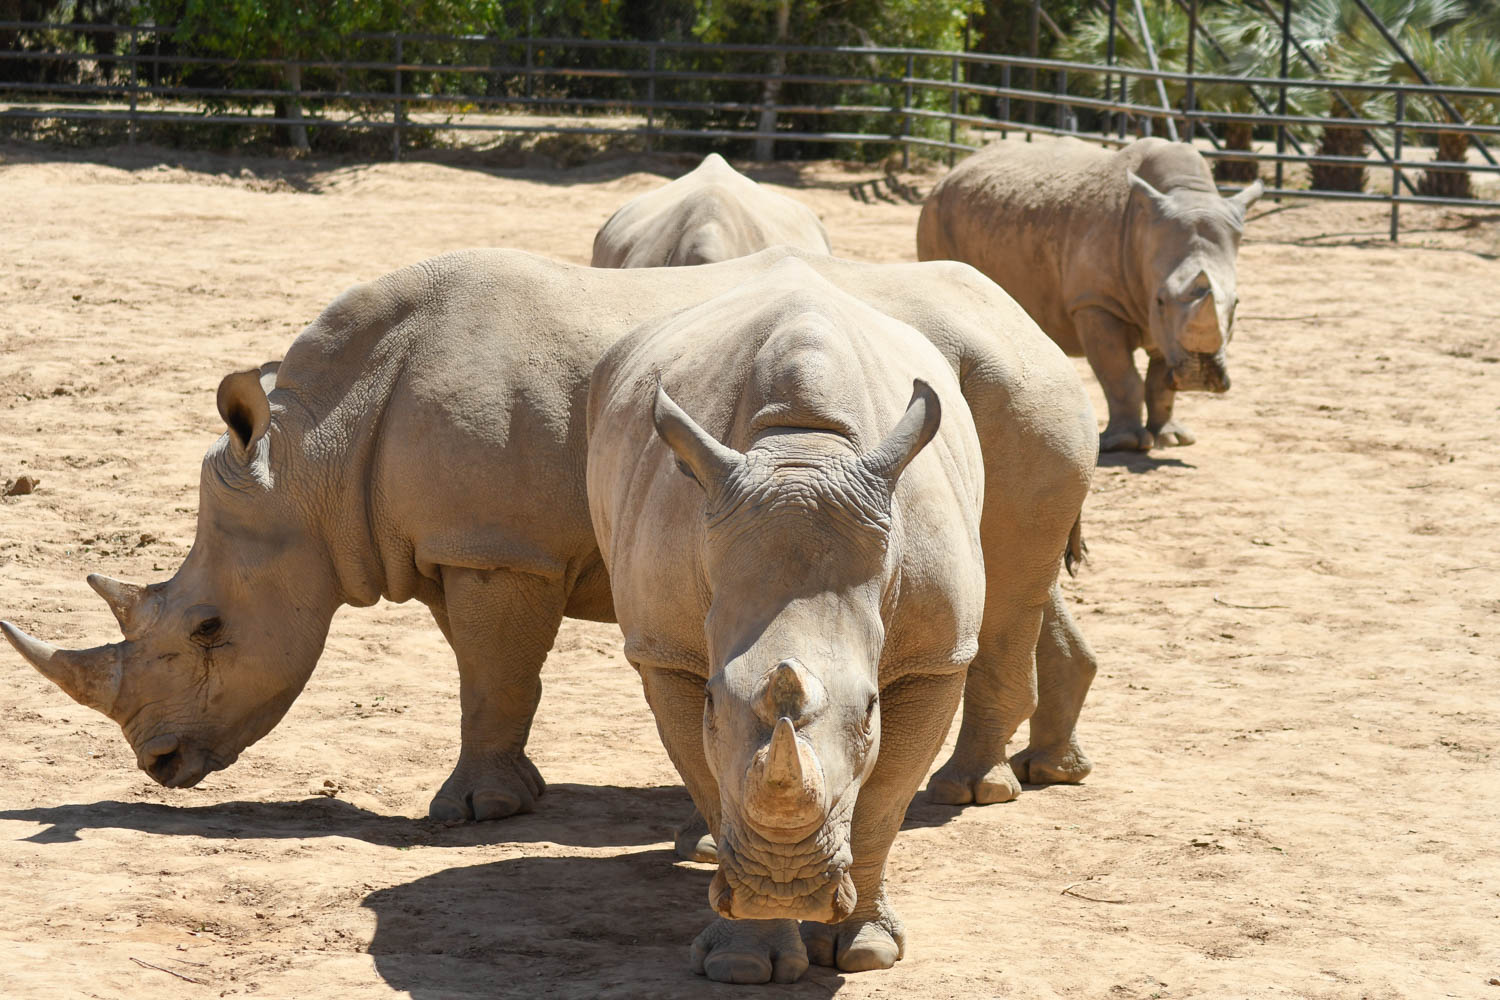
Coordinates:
[159,758]
[164,767]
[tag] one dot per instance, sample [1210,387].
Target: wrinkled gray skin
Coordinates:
[709,214]
[801,583]
[1108,251]
[424,438]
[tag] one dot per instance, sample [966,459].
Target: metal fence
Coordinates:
[660,94]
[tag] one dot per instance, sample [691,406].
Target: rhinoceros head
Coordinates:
[1187,240]
[799,562]
[213,657]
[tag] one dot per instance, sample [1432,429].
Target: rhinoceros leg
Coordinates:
[1159,396]
[1065,668]
[915,712]
[500,625]
[1000,694]
[726,951]
[1109,344]
[692,841]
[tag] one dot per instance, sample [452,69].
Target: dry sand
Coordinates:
[1295,727]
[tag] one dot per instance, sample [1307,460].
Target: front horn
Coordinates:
[89,676]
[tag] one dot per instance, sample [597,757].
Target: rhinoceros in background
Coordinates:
[709,214]
[803,599]
[1108,251]
[424,438]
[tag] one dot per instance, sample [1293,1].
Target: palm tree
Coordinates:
[1089,42]
[1349,48]
[1466,55]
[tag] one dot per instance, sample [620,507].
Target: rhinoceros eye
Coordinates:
[206,632]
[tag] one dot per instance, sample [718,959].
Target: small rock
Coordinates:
[146,539]
[22,486]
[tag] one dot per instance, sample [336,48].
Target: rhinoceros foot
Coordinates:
[958,784]
[692,841]
[1172,434]
[1130,437]
[1055,766]
[488,786]
[856,945]
[750,951]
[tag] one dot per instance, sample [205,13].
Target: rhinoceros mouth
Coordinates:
[762,880]
[1199,372]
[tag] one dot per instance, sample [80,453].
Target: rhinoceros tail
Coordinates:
[1077,551]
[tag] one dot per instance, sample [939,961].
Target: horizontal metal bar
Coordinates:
[974,58]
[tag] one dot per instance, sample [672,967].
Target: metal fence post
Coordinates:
[953,115]
[906,119]
[529,58]
[1124,96]
[134,62]
[650,93]
[396,131]
[1063,111]
[1192,98]
[1005,101]
[1396,167]
[1109,59]
[1286,39]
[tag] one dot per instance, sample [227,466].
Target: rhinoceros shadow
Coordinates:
[593,816]
[591,926]
[1137,462]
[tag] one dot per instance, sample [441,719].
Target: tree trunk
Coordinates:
[1237,135]
[1453,147]
[771,92]
[1338,140]
[291,107]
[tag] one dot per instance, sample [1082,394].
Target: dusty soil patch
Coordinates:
[1295,727]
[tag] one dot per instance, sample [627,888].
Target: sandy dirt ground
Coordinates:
[1295,728]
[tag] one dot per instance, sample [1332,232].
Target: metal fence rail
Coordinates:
[408,85]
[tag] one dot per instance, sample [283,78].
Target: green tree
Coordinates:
[1465,55]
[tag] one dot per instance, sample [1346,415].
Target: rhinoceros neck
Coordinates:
[335,447]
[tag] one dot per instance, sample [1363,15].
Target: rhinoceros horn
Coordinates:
[783,766]
[916,427]
[125,600]
[89,676]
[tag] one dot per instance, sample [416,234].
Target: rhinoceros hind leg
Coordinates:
[750,951]
[693,842]
[1065,667]
[1129,437]
[492,787]
[500,625]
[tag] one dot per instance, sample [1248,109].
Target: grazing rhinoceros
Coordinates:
[709,214]
[1108,251]
[424,438]
[803,600]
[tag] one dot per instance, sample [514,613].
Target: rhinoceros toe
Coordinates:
[956,784]
[487,787]
[1056,766]
[1132,438]
[693,842]
[1172,435]
[856,945]
[750,951]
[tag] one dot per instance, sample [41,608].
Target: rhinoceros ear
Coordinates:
[1142,189]
[1242,200]
[917,426]
[699,455]
[245,408]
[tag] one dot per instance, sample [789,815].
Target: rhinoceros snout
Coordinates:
[170,764]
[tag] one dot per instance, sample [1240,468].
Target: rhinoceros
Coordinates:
[1108,251]
[798,556]
[424,438]
[709,214]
